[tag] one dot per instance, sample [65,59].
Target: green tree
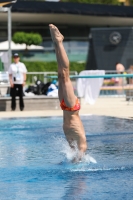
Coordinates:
[27,38]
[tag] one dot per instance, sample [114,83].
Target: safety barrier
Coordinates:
[43,76]
[114,84]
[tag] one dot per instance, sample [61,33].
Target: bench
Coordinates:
[35,103]
[128,89]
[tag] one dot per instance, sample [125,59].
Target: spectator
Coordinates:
[17,76]
[130,71]
[120,70]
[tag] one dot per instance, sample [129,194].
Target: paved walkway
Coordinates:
[107,106]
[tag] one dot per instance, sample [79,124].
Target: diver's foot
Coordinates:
[55,34]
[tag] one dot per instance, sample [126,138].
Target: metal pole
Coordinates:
[9,36]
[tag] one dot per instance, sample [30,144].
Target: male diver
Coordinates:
[72,125]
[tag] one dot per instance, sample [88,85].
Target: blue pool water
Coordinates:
[35,160]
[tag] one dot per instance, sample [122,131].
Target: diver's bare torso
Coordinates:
[74,130]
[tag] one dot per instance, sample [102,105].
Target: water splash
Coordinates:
[89,159]
[99,169]
[70,154]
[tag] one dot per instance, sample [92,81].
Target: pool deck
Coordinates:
[104,106]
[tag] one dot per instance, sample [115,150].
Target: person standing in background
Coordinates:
[17,77]
[120,70]
[130,71]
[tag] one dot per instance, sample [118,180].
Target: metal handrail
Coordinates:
[99,76]
[45,74]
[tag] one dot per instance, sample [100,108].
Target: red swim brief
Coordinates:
[74,108]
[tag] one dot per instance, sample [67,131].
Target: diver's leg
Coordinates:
[66,91]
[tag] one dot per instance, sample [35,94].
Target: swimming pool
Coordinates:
[34,160]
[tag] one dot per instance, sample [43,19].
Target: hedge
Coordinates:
[51,66]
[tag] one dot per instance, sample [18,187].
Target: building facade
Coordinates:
[73,19]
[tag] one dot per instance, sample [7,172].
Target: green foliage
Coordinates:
[40,66]
[131,2]
[51,66]
[109,2]
[1,66]
[33,38]
[113,2]
[74,66]
[19,37]
[27,38]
